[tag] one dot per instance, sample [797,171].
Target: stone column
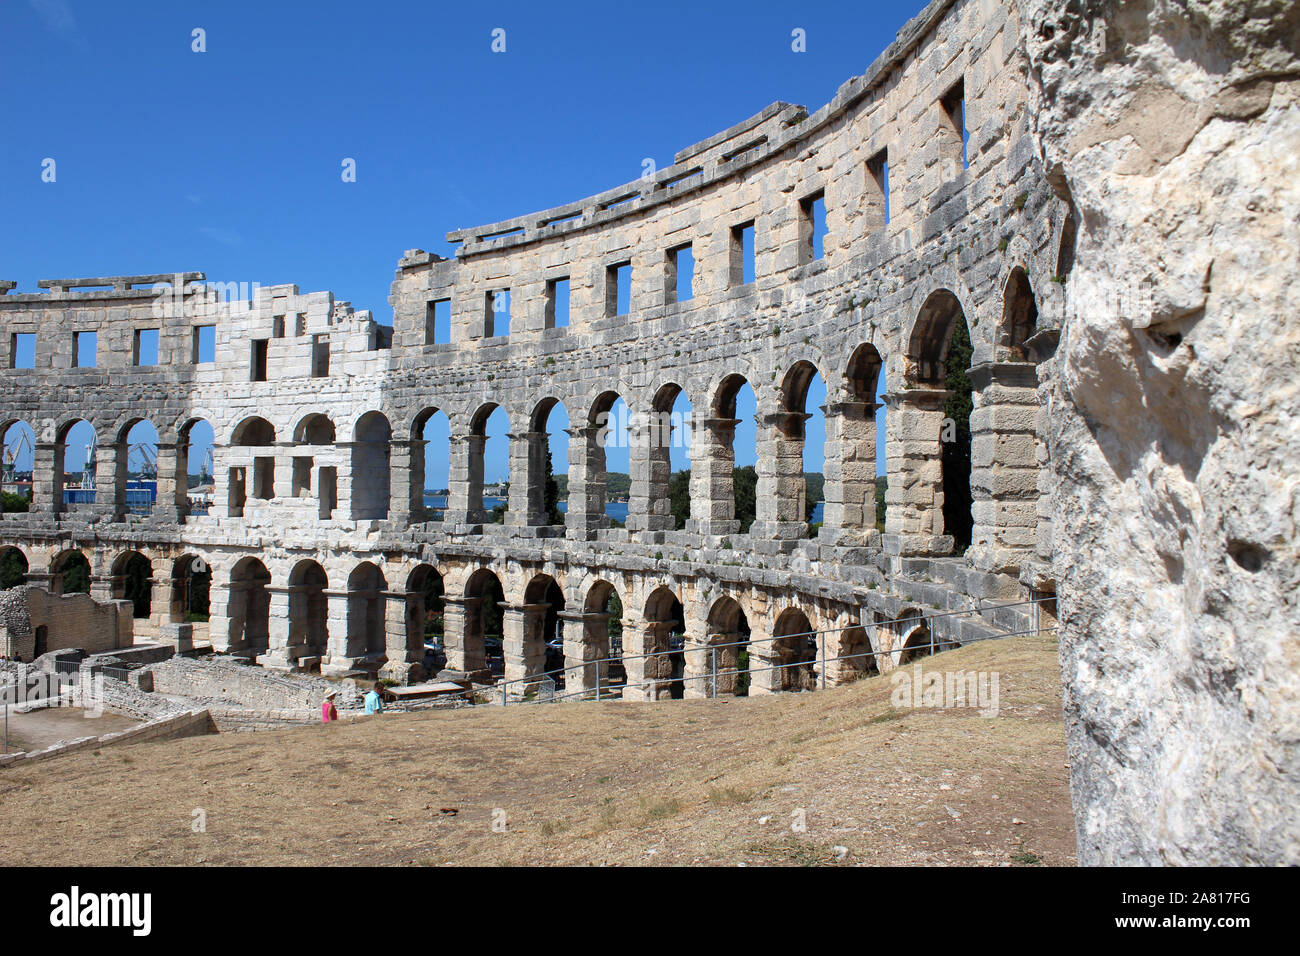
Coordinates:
[849,512]
[405,501]
[914,467]
[1004,465]
[781,492]
[713,463]
[402,664]
[219,624]
[586,506]
[463,635]
[171,502]
[336,617]
[47,488]
[524,646]
[465,479]
[639,503]
[279,655]
[527,502]
[110,481]
[586,645]
[648,678]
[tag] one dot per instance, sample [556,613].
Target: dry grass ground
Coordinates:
[682,782]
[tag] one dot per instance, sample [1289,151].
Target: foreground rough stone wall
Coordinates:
[1174,130]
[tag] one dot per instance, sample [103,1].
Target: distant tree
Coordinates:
[76,577]
[956,453]
[744,483]
[498,515]
[679,496]
[814,483]
[882,484]
[13,568]
[553,513]
[11,502]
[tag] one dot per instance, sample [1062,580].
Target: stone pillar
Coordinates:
[47,486]
[781,492]
[586,645]
[1004,465]
[336,617]
[849,512]
[465,479]
[527,504]
[713,463]
[586,507]
[404,504]
[110,481]
[463,635]
[160,599]
[914,467]
[639,503]
[524,646]
[172,500]
[648,678]
[219,624]
[402,664]
[279,654]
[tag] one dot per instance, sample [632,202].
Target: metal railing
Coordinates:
[817,664]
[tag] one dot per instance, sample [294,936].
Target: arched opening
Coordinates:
[195,451]
[70,573]
[800,464]
[729,642]
[918,641]
[18,463]
[1019,315]
[133,581]
[366,611]
[604,481]
[664,637]
[668,438]
[431,464]
[313,437]
[249,607]
[548,439]
[853,658]
[483,645]
[13,568]
[489,464]
[252,464]
[137,469]
[941,352]
[191,590]
[308,614]
[424,618]
[314,429]
[543,630]
[76,451]
[852,447]
[603,633]
[730,439]
[371,478]
[795,645]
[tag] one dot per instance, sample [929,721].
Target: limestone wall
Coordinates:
[1173,129]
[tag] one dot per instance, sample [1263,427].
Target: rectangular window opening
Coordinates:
[85,347]
[497,320]
[557,303]
[257,370]
[146,347]
[742,254]
[22,350]
[954,108]
[320,356]
[680,281]
[437,322]
[876,199]
[618,288]
[205,344]
[812,227]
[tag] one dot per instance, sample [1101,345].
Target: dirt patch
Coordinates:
[38,729]
[834,777]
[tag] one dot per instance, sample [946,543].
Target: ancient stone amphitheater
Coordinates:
[1099,195]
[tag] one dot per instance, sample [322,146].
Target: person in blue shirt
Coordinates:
[375,700]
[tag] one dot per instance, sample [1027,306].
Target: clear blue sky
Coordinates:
[228,161]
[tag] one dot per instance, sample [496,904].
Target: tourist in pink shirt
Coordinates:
[327,710]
